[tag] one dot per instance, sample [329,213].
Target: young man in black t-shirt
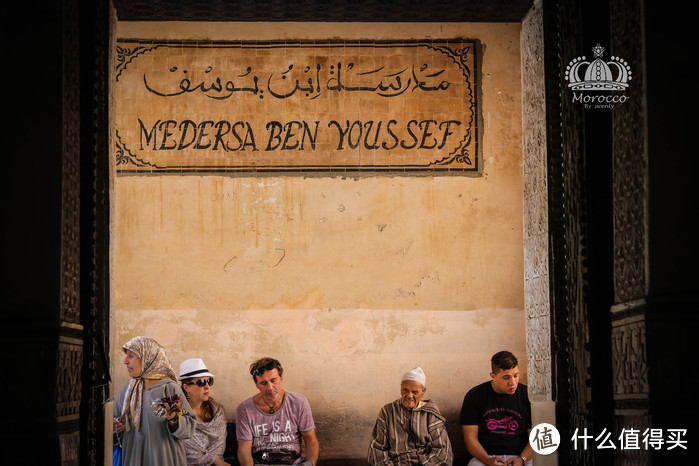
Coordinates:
[496,417]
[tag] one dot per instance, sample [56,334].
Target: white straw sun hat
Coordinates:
[193,368]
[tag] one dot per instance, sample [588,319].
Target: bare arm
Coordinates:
[311,446]
[528,453]
[528,450]
[475,448]
[245,454]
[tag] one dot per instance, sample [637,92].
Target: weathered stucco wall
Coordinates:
[348,280]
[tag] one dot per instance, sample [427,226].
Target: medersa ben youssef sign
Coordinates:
[296,106]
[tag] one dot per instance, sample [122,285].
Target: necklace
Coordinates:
[271,406]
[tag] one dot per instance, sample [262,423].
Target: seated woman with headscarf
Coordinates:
[152,413]
[208,443]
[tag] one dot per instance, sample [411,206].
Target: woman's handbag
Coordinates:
[116,459]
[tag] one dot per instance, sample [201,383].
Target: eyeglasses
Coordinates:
[202,382]
[267,367]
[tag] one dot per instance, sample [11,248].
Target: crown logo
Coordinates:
[598,75]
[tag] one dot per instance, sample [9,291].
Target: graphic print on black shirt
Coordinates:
[503,420]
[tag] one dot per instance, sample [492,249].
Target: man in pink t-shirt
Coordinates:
[271,425]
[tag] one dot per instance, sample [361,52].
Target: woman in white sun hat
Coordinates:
[208,443]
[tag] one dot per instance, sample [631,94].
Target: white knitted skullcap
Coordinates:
[416,374]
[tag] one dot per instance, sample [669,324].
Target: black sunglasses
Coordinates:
[267,367]
[202,382]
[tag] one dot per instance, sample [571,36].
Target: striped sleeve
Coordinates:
[440,453]
[380,446]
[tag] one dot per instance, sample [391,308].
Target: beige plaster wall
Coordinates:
[348,280]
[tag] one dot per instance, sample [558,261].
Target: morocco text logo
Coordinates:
[606,80]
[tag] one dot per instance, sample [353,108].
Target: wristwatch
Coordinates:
[524,459]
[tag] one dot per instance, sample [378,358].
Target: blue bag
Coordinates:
[116,459]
